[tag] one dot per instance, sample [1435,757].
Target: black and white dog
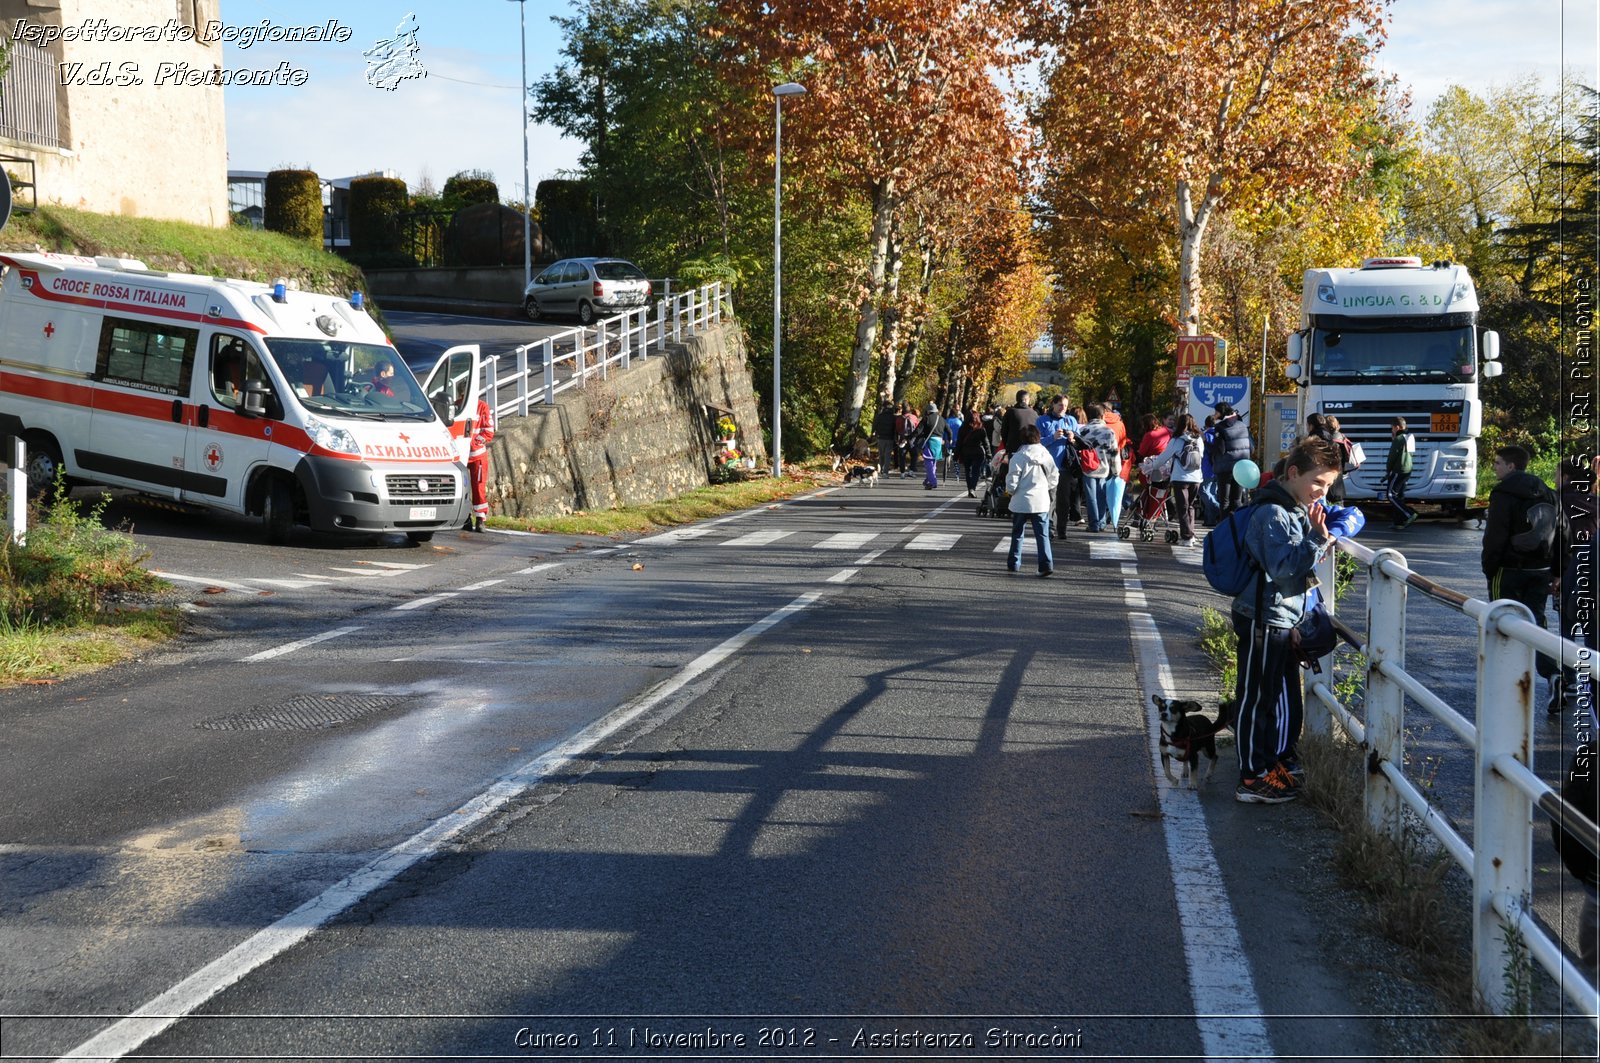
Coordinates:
[867,474]
[1186,733]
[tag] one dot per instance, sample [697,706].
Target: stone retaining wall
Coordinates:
[644,434]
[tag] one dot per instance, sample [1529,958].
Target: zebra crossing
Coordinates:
[335,574]
[706,536]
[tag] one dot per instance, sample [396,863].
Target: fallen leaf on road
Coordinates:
[215,590]
[805,649]
[638,567]
[265,594]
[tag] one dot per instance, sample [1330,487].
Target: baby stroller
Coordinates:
[995,502]
[1147,513]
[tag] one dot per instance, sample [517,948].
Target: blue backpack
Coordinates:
[1225,561]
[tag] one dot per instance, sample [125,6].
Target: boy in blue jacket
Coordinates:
[1287,536]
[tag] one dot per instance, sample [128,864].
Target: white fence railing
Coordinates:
[1506,791]
[541,370]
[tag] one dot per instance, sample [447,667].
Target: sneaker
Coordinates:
[1046,573]
[1292,770]
[1191,541]
[1409,521]
[1266,789]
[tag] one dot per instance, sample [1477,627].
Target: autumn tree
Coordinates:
[1187,100]
[901,96]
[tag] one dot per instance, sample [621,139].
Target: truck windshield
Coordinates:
[355,379]
[1392,357]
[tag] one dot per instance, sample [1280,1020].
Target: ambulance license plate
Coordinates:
[424,513]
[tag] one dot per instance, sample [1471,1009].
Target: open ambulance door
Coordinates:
[453,389]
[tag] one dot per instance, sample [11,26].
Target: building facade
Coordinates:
[111,107]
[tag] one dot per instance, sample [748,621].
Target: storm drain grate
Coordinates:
[306,712]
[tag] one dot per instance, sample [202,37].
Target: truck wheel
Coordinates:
[277,512]
[420,537]
[44,465]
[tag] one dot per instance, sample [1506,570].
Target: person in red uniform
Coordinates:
[478,465]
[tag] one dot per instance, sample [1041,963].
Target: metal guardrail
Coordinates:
[543,369]
[1506,791]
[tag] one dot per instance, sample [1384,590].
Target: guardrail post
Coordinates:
[1502,818]
[17,491]
[1318,717]
[677,319]
[522,381]
[1385,700]
[548,355]
[627,338]
[604,352]
[491,365]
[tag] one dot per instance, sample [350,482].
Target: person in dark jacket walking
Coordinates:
[972,450]
[1016,419]
[1516,557]
[883,432]
[1397,470]
[1231,445]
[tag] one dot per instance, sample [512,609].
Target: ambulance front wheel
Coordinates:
[277,512]
[44,465]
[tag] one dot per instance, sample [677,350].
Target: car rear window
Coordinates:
[618,271]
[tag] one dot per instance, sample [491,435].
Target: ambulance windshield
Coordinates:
[367,380]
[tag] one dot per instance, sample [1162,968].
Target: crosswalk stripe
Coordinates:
[367,572]
[398,566]
[846,541]
[934,541]
[1112,552]
[1028,545]
[759,538]
[1187,555]
[290,584]
[677,535]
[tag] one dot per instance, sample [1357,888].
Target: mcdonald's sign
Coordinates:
[1197,356]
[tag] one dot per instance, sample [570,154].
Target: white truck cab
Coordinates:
[229,395]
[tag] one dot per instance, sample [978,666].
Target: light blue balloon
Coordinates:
[1247,474]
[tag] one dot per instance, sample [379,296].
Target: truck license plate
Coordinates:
[424,513]
[1446,424]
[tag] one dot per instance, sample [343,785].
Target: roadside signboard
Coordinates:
[1283,425]
[1206,391]
[1197,356]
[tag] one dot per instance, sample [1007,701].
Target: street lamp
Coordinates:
[522,105]
[788,88]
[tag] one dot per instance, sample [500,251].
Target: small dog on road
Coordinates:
[1186,732]
[867,474]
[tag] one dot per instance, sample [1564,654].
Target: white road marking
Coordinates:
[845,541]
[432,599]
[759,538]
[1226,1005]
[538,568]
[676,535]
[1028,545]
[290,647]
[206,581]
[481,586]
[1187,555]
[396,565]
[291,584]
[869,558]
[934,541]
[1118,551]
[125,1036]
[843,575]
[366,573]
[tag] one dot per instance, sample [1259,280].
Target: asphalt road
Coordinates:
[822,767]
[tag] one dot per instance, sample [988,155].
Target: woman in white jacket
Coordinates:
[1182,459]
[1031,482]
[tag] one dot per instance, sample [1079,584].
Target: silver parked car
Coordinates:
[587,287]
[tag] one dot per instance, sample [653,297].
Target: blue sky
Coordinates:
[464,114]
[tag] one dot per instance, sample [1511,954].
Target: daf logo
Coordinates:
[1338,405]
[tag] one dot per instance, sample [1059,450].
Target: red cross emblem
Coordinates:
[404,438]
[213,457]
[49,329]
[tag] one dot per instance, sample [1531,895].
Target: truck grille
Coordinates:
[409,488]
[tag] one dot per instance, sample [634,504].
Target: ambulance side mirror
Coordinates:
[257,398]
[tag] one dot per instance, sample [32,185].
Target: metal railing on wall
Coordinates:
[28,110]
[541,370]
[1499,858]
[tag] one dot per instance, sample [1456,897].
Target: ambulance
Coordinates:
[229,395]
